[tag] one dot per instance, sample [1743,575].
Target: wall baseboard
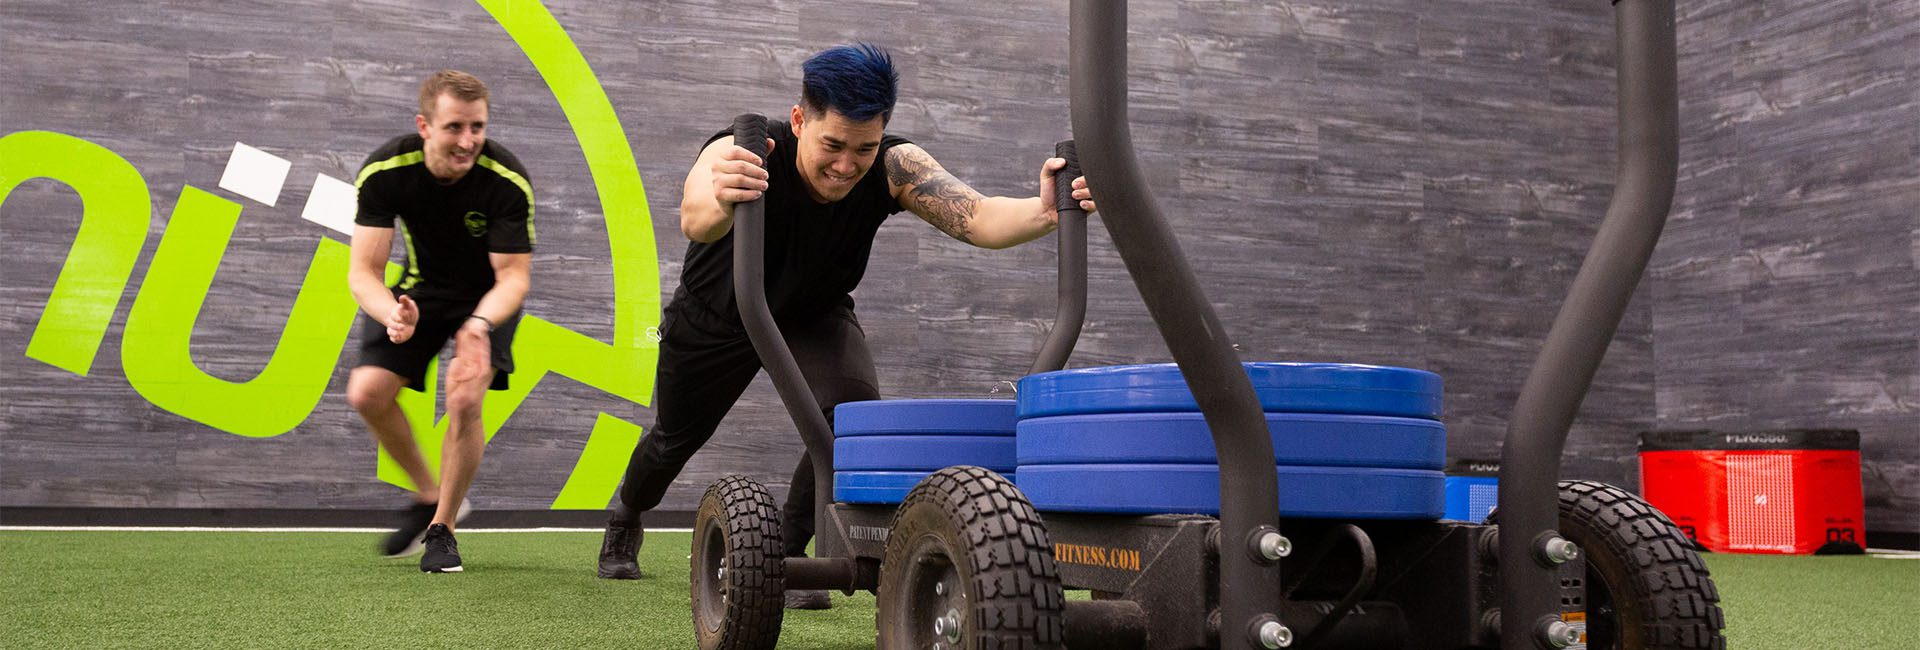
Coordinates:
[337,518]
[311,518]
[1889,539]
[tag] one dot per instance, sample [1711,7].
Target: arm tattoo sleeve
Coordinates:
[932,193]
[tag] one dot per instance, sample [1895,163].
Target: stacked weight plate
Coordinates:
[882,448]
[1350,441]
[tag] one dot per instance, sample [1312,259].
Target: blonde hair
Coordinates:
[462,86]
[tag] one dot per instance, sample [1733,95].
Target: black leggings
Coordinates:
[705,365]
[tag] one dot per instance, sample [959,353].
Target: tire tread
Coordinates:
[1668,577]
[756,568]
[1020,604]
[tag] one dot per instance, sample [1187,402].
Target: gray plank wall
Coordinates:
[1786,290]
[1395,182]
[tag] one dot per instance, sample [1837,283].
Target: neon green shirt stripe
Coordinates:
[413,264]
[517,179]
[401,160]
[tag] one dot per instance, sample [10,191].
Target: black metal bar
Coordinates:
[1163,563]
[1249,587]
[1071,310]
[821,573]
[750,291]
[1372,625]
[1106,625]
[1537,431]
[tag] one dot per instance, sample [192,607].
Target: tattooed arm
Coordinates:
[926,189]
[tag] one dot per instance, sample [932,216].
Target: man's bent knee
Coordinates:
[465,398]
[372,389]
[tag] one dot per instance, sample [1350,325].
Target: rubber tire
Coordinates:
[737,527]
[970,527]
[1633,550]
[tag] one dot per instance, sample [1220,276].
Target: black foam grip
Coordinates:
[1063,179]
[750,133]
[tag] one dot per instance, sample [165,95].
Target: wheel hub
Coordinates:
[952,624]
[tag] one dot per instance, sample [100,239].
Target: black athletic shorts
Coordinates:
[439,319]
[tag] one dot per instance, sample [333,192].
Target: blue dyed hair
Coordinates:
[857,81]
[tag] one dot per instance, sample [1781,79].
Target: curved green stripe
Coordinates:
[515,178]
[601,465]
[626,366]
[636,276]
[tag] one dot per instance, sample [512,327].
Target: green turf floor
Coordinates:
[537,590]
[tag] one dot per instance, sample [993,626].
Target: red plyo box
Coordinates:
[1786,492]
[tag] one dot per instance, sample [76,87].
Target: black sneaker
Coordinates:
[808,599]
[620,550]
[405,540]
[443,554]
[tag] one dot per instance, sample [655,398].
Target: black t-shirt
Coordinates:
[816,252]
[448,229]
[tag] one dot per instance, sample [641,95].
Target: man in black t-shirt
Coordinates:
[464,207]
[822,211]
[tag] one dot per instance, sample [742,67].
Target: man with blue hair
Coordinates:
[822,211]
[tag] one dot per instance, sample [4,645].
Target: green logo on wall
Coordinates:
[114,225]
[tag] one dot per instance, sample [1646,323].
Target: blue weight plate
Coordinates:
[1314,492]
[978,417]
[878,487]
[892,453]
[1298,439]
[1282,388]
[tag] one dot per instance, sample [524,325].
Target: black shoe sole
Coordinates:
[807,602]
[619,574]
